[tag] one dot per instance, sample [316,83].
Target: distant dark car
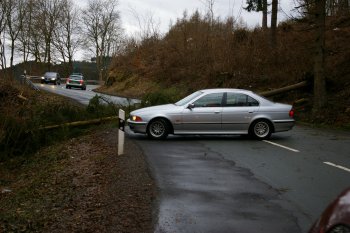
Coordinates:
[51,77]
[336,217]
[76,81]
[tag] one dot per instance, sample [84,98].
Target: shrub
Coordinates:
[158,97]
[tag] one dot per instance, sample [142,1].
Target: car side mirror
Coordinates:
[190,106]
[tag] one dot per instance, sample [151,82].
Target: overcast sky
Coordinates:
[164,11]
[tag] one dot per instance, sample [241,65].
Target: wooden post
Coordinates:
[121,132]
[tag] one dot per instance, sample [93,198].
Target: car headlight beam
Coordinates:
[136,118]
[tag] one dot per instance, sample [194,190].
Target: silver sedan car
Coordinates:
[214,111]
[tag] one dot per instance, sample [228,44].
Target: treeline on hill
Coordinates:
[198,52]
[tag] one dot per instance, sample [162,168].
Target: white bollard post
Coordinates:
[121,132]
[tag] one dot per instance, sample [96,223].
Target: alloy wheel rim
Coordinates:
[157,129]
[261,129]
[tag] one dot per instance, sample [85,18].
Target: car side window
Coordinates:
[240,100]
[210,100]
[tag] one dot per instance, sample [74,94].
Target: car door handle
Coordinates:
[250,111]
[217,112]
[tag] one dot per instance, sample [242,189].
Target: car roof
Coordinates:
[260,98]
[76,75]
[225,90]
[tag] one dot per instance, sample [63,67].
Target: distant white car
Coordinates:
[76,81]
[215,111]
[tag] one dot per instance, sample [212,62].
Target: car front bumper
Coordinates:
[137,127]
[49,80]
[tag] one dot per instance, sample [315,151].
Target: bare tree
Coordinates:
[319,73]
[101,20]
[3,10]
[258,5]
[14,16]
[47,23]
[67,39]
[148,26]
[273,33]
[25,34]
[210,9]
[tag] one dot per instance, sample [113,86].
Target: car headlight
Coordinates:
[42,77]
[53,79]
[136,118]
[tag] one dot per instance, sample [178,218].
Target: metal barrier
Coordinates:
[25,80]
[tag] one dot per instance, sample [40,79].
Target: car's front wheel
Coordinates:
[158,129]
[261,129]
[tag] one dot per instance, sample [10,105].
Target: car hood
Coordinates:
[157,108]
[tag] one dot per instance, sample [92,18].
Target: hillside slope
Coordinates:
[195,54]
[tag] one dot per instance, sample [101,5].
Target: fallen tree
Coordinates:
[284,89]
[80,123]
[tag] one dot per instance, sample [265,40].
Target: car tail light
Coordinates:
[81,81]
[67,80]
[291,113]
[136,118]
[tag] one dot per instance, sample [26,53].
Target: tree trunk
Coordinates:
[264,19]
[273,39]
[49,56]
[284,89]
[319,74]
[12,52]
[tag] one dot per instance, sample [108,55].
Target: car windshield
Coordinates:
[76,77]
[187,99]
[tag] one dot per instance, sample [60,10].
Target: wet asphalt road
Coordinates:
[82,96]
[235,184]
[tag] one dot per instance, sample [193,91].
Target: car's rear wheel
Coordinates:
[261,129]
[158,129]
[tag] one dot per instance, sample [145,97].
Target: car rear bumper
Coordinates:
[283,125]
[137,127]
[75,85]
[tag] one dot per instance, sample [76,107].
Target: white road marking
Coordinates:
[284,147]
[337,166]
